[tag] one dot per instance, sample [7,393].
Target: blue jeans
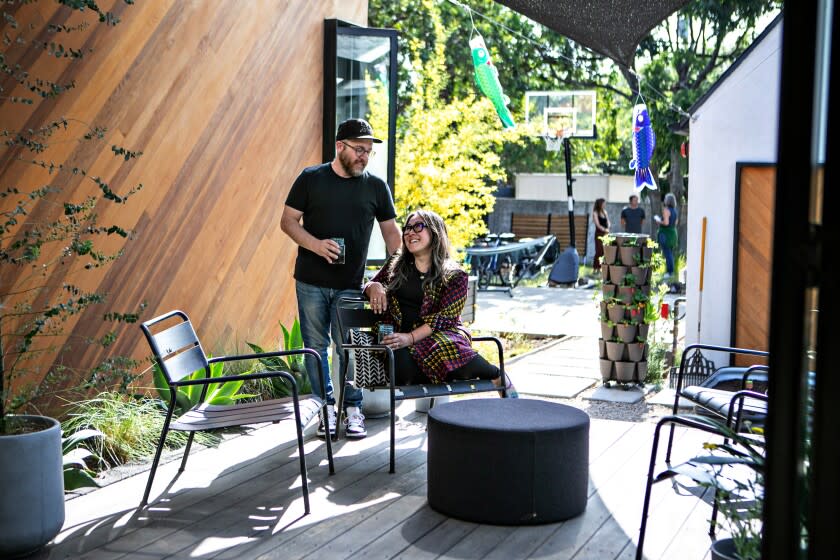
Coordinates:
[317,308]
[667,252]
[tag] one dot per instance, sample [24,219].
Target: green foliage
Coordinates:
[50,224]
[75,459]
[188,396]
[130,427]
[278,387]
[447,148]
[657,361]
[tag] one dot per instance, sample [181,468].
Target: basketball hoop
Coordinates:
[553,142]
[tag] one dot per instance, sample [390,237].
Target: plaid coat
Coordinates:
[450,345]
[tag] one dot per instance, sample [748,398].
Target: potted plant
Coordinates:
[34,306]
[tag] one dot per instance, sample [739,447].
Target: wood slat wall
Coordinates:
[224,99]
[537,225]
[754,257]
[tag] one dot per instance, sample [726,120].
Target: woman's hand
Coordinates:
[396,341]
[375,293]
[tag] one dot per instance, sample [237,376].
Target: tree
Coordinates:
[447,150]
[51,234]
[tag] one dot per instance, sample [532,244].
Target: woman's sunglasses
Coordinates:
[416,227]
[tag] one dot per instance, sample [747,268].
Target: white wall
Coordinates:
[737,123]
[586,188]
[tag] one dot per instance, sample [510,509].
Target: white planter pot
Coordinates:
[376,404]
[31,488]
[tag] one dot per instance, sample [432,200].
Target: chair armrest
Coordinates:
[712,348]
[753,370]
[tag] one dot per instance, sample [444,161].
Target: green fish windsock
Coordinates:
[487,79]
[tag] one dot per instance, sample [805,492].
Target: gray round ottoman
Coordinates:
[508,461]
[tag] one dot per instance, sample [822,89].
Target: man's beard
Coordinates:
[347,164]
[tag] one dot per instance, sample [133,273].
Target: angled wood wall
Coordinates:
[223,97]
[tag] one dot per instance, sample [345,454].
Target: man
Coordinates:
[633,217]
[338,202]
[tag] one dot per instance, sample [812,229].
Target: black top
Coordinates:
[410,296]
[633,219]
[602,220]
[333,206]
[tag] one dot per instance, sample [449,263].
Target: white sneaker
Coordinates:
[355,422]
[331,418]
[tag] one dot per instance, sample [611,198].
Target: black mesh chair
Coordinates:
[179,354]
[353,315]
[707,395]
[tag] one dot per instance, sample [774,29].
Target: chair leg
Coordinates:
[339,410]
[329,440]
[304,479]
[186,451]
[648,488]
[393,431]
[155,462]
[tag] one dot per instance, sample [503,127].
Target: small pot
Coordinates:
[643,330]
[610,253]
[602,349]
[636,352]
[606,369]
[627,333]
[629,255]
[606,330]
[647,253]
[625,371]
[603,310]
[641,369]
[615,350]
[626,293]
[723,549]
[608,290]
[617,273]
[641,274]
[605,272]
[616,313]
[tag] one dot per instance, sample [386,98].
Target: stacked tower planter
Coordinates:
[625,291]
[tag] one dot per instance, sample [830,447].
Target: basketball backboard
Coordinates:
[572,112]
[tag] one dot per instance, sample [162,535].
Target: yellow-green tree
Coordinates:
[447,152]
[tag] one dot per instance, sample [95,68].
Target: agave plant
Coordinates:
[76,455]
[188,396]
[277,387]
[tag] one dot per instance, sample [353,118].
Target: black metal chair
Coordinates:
[179,354]
[700,473]
[713,400]
[353,315]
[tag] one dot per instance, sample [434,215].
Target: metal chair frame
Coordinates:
[733,422]
[179,354]
[351,315]
[683,372]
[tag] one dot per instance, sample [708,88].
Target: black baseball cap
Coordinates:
[356,129]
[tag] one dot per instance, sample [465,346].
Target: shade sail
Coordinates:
[613,28]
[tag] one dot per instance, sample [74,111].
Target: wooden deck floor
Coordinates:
[243,500]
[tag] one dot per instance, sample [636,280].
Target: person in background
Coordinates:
[667,236]
[421,292]
[633,216]
[602,227]
[338,202]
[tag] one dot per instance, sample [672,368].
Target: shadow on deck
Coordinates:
[242,500]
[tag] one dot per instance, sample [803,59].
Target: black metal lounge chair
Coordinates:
[178,352]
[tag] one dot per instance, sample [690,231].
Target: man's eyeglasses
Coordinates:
[416,227]
[359,150]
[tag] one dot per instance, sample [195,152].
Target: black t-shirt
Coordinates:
[333,206]
[410,296]
[633,219]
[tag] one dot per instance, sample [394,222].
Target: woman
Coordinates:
[667,235]
[602,227]
[421,291]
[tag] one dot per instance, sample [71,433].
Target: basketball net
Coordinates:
[553,142]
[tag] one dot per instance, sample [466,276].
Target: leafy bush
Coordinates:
[277,387]
[130,427]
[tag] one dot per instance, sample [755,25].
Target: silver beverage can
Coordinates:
[383,331]
[340,258]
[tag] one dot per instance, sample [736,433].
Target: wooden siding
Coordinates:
[224,99]
[537,225]
[754,258]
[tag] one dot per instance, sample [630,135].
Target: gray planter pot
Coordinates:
[723,549]
[31,487]
[376,404]
[625,371]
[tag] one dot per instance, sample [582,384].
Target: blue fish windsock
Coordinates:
[644,141]
[487,79]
